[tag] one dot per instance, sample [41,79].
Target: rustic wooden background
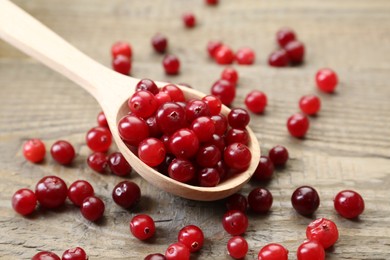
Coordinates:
[348,145]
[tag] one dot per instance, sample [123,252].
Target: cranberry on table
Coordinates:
[256,101]
[159,43]
[142,226]
[310,250]
[224,55]
[184,143]
[133,129]
[203,127]
[278,58]
[212,47]
[126,194]
[51,192]
[155,256]
[118,164]
[211,2]
[24,201]
[192,237]
[326,80]
[121,48]
[181,170]
[101,119]
[230,74]
[97,161]
[278,155]
[34,150]
[177,251]
[305,200]
[310,104]
[92,208]
[237,247]
[284,36]
[349,204]
[147,85]
[224,90]
[171,64]
[208,177]
[273,251]
[62,152]
[260,200]
[237,156]
[189,20]
[99,139]
[142,103]
[324,231]
[264,170]
[79,190]
[235,222]
[297,125]
[45,255]
[237,201]
[151,151]
[295,51]
[238,118]
[174,92]
[245,56]
[121,64]
[76,253]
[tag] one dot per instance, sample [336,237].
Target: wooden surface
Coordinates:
[348,145]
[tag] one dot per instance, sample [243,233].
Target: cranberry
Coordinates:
[126,194]
[238,118]
[230,75]
[234,135]
[222,171]
[295,51]
[151,151]
[208,156]
[237,201]
[24,201]
[122,64]
[170,117]
[192,237]
[51,192]
[101,119]
[310,250]
[260,200]
[235,222]
[264,170]
[196,108]
[212,47]
[62,152]
[121,48]
[237,156]
[349,204]
[237,247]
[297,125]
[133,129]
[142,226]
[34,150]
[310,104]
[204,128]
[224,55]
[278,155]
[143,103]
[45,255]
[92,208]
[154,129]
[177,251]
[118,164]
[159,43]
[174,92]
[256,101]
[76,253]
[181,170]
[273,251]
[162,97]
[224,90]
[284,36]
[324,231]
[211,2]
[147,85]
[189,20]
[305,200]
[214,104]
[278,58]
[218,141]
[245,56]
[171,64]
[326,80]
[97,162]
[78,191]
[208,177]
[184,143]
[156,256]
[99,139]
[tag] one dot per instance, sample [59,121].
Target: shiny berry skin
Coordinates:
[324,231]
[203,127]
[122,64]
[260,200]
[79,190]
[171,64]
[237,201]
[99,139]
[310,104]
[159,43]
[162,97]
[174,92]
[295,51]
[224,55]
[156,256]
[278,58]
[170,117]
[284,36]
[97,162]
[118,164]
[224,90]
[92,208]
[76,253]
[214,104]
[273,252]
[220,123]
[208,156]
[256,101]
[310,250]
[45,255]
[245,56]
[230,75]
[126,194]
[208,177]
[218,141]
[349,204]
[51,192]
[154,130]
[264,170]
[151,151]
[101,119]
[212,47]
[62,152]
[121,48]
[142,226]
[147,85]
[297,125]
[326,80]
[181,170]
[192,237]
[235,222]
[237,156]
[133,129]
[211,2]
[189,20]
[34,150]
[184,143]
[196,108]
[305,200]
[143,104]
[24,201]
[238,118]
[237,247]
[234,135]
[177,251]
[278,155]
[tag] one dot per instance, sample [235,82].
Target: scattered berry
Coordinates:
[273,252]
[79,190]
[99,139]
[284,36]
[237,201]
[224,55]
[51,192]
[245,56]
[235,222]
[324,231]
[63,152]
[101,119]
[295,51]
[349,204]
[212,47]
[121,48]
[260,200]
[310,104]
[126,194]
[34,150]
[189,20]
[118,164]
[326,80]
[278,58]
[159,43]
[310,250]
[97,161]
[211,2]
[155,256]
[142,226]
[24,201]
[76,253]
[256,101]
[224,90]
[278,155]
[45,255]
[177,251]
[192,237]
[237,247]
[305,200]
[121,64]
[171,64]
[92,208]
[230,75]
[297,125]
[264,170]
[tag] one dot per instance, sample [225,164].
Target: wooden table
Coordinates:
[347,146]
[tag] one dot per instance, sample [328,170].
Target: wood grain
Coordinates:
[348,145]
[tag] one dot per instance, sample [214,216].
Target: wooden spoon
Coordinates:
[111,90]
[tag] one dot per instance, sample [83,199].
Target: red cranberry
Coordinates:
[230,75]
[224,90]
[211,2]
[256,101]
[174,92]
[196,108]
[51,192]
[214,104]
[97,162]
[121,48]
[62,152]
[208,156]
[151,151]
[126,194]
[118,164]
[159,43]
[34,150]
[208,177]
[221,124]
[349,204]
[264,170]
[260,200]
[162,97]
[237,247]
[92,208]
[177,251]
[284,36]
[273,252]
[147,85]
[181,170]
[212,47]
[204,128]
[310,250]
[192,237]
[237,201]
[237,156]
[297,125]
[326,80]
[218,141]
[245,56]
[224,55]
[295,51]
[133,129]
[101,119]
[238,118]
[278,58]
[122,64]
[324,231]
[143,103]
[305,200]
[76,253]
[99,139]
[310,104]
[79,190]
[171,64]
[170,117]
[235,222]
[234,135]
[189,20]
[184,143]
[154,129]
[278,155]
[142,226]
[24,201]
[45,255]
[156,256]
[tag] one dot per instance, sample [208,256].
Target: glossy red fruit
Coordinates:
[92,208]
[147,85]
[208,177]
[264,170]
[151,151]
[237,247]
[234,135]
[278,155]
[24,201]
[256,101]
[118,164]
[196,108]
[171,64]
[76,253]
[159,43]
[310,250]
[297,125]
[237,201]
[184,143]
[133,129]
[142,226]
[189,20]
[97,162]
[230,75]
[79,190]
[177,251]
[273,251]
[170,117]
[34,150]
[224,90]
[278,58]
[224,55]
[238,118]
[155,256]
[208,156]
[101,119]
[245,56]
[204,128]
[212,47]
[211,2]
[324,231]
[174,92]
[220,123]
[214,104]
[126,194]
[62,152]
[45,255]
[162,97]
[260,200]
[349,204]
[143,104]
[99,139]
[51,192]
[310,104]
[295,51]
[235,222]
[192,237]
[305,200]
[122,64]
[181,170]
[121,48]
[284,36]
[237,156]
[326,80]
